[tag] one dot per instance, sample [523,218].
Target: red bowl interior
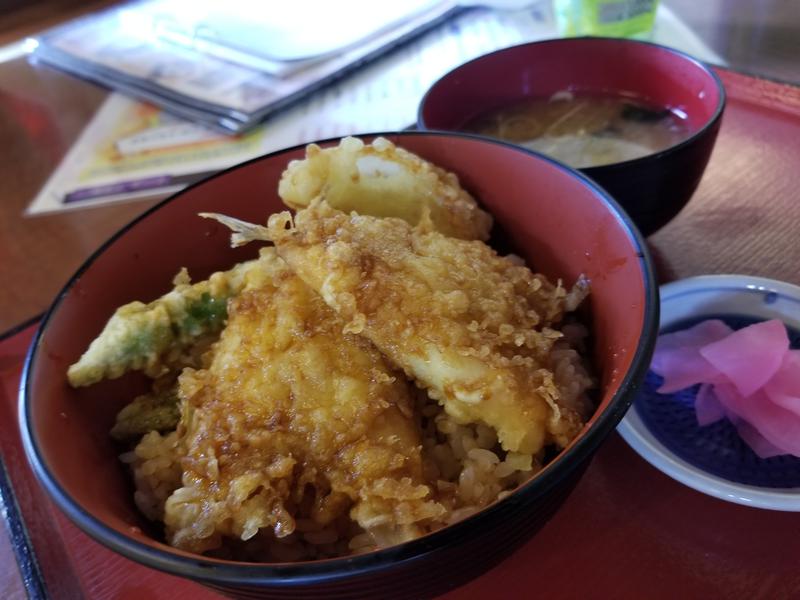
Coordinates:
[555,218]
[655,74]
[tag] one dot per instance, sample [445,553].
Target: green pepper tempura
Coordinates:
[156,338]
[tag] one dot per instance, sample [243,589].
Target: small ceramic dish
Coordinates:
[663,429]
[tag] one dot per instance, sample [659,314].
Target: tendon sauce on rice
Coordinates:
[374,376]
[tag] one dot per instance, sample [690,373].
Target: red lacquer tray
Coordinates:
[627,531]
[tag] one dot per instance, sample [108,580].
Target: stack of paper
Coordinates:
[230,64]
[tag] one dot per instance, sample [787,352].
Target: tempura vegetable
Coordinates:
[164,334]
[155,411]
[382,180]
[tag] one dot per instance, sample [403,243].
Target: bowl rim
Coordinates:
[224,572]
[638,435]
[709,124]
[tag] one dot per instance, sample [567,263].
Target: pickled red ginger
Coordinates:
[749,376]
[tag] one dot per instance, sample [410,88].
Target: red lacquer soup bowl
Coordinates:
[652,189]
[562,223]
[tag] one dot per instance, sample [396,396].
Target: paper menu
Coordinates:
[280,40]
[133,150]
[132,49]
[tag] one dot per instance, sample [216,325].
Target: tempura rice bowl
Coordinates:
[560,222]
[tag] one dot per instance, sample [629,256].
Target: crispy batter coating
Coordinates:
[382,180]
[474,328]
[163,335]
[292,416]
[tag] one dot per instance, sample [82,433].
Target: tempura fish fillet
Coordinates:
[383,180]
[474,328]
[157,337]
[292,413]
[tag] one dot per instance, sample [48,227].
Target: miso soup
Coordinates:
[584,130]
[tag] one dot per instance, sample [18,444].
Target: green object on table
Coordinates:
[609,18]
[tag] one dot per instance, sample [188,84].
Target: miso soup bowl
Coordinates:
[652,189]
[558,219]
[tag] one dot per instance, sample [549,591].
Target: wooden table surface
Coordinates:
[42,111]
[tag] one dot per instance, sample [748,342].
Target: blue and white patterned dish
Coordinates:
[662,427]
